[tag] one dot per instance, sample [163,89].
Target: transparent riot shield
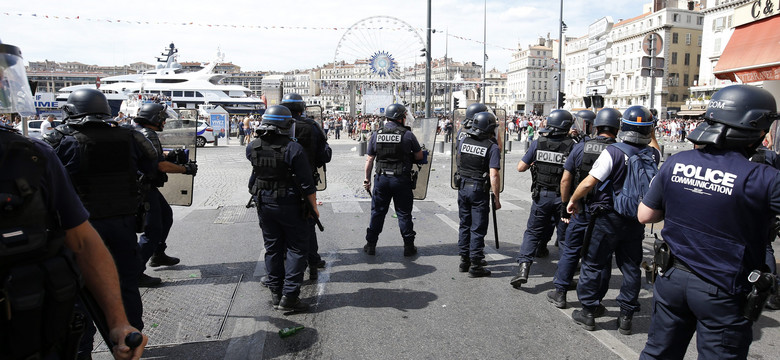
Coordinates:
[458,116]
[501,137]
[180,133]
[314,112]
[424,129]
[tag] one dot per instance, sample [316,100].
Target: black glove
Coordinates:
[564,214]
[190,168]
[178,156]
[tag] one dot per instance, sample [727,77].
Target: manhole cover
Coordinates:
[236,214]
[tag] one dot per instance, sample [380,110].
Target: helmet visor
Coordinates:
[15,94]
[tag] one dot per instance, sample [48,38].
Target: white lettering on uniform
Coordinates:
[709,179]
[388,138]
[473,150]
[592,147]
[550,157]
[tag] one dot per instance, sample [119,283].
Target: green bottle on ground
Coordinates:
[290,331]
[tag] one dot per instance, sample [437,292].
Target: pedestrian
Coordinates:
[48,209]
[704,288]
[281,179]
[613,232]
[394,147]
[103,162]
[578,164]
[151,119]
[47,126]
[309,135]
[479,162]
[545,158]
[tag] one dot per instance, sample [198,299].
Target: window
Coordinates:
[698,60]
[718,23]
[695,80]
[674,58]
[699,43]
[676,17]
[729,21]
[688,19]
[688,39]
[716,46]
[674,38]
[687,60]
[700,20]
[685,79]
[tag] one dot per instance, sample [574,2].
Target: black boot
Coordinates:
[290,304]
[478,271]
[585,318]
[522,275]
[465,263]
[370,248]
[160,259]
[275,299]
[558,298]
[624,323]
[410,250]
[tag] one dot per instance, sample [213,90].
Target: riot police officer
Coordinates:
[151,119]
[44,225]
[282,183]
[479,162]
[472,110]
[576,168]
[394,147]
[704,287]
[311,136]
[104,162]
[612,232]
[545,158]
[766,156]
[584,129]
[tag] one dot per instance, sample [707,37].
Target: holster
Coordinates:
[764,284]
[535,192]
[414,174]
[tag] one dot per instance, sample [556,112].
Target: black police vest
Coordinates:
[270,170]
[38,278]
[107,179]
[550,156]
[474,160]
[590,152]
[158,178]
[389,152]
[304,136]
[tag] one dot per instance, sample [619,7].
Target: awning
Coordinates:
[691,112]
[753,53]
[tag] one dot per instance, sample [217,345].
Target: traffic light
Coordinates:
[561,99]
[455,102]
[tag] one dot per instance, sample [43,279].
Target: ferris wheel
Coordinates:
[388,44]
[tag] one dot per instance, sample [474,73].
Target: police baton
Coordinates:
[493,210]
[306,204]
[132,340]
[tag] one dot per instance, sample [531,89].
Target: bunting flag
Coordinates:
[263,27]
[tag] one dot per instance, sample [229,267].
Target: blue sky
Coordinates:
[265,35]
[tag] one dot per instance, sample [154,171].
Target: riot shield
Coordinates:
[180,133]
[501,138]
[458,116]
[424,129]
[314,112]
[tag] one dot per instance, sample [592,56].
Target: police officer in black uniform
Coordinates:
[479,162]
[584,133]
[281,180]
[310,135]
[104,162]
[612,232]
[545,158]
[47,241]
[766,156]
[576,168]
[151,119]
[394,147]
[472,110]
[717,209]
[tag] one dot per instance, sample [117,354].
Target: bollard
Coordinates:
[440,147]
[508,146]
[362,148]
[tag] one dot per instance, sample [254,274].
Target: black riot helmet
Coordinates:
[558,123]
[483,126]
[277,118]
[152,114]
[737,117]
[586,115]
[608,118]
[471,111]
[86,105]
[294,102]
[396,112]
[636,125]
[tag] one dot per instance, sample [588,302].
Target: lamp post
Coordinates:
[560,59]
[428,67]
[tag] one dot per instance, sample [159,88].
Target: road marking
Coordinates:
[449,205]
[247,336]
[506,205]
[260,266]
[448,221]
[607,339]
[343,207]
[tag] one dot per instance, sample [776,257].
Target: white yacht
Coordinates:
[182,89]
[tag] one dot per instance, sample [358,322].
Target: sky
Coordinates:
[288,35]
